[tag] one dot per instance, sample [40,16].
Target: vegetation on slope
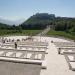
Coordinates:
[42,20]
[62,26]
[60,34]
[38,21]
[17,32]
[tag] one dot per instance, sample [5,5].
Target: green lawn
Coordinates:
[60,34]
[16,32]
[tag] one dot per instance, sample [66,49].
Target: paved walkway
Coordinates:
[56,64]
[44,31]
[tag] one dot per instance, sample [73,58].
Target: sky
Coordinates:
[23,9]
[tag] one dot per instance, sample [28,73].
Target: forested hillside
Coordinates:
[3,26]
[40,21]
[65,24]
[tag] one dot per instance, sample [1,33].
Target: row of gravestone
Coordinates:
[68,50]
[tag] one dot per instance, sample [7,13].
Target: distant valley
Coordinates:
[9,22]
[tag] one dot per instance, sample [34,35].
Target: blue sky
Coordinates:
[18,9]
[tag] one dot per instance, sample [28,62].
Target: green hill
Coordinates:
[4,26]
[38,21]
[41,20]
